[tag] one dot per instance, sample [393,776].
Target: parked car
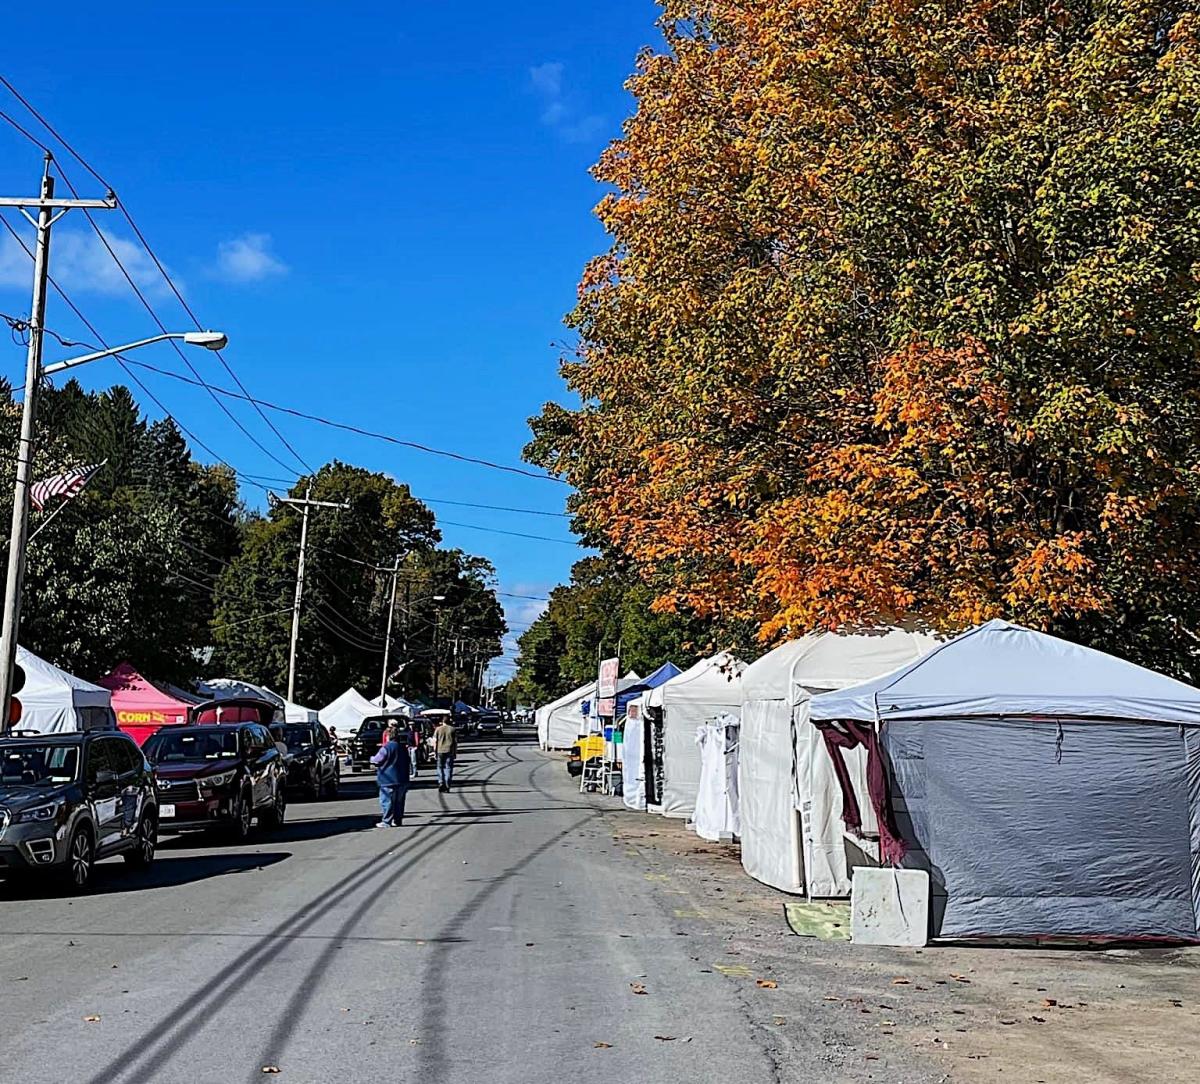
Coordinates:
[367,740]
[491,725]
[68,800]
[219,775]
[313,766]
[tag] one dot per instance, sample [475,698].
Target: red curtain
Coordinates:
[891,845]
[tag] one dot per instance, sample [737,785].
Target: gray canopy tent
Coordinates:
[1048,789]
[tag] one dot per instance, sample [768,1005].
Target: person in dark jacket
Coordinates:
[391,773]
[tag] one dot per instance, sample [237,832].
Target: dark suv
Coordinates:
[367,740]
[314,766]
[67,800]
[220,775]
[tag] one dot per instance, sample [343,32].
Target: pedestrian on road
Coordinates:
[414,746]
[391,772]
[445,745]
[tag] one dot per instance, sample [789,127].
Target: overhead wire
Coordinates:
[257,403]
[55,134]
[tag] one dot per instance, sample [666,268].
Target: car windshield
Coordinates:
[371,726]
[37,764]
[167,746]
[297,737]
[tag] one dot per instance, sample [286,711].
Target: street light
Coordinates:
[210,340]
[35,372]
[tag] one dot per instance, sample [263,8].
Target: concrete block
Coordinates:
[889,907]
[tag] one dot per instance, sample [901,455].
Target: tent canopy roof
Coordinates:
[1000,668]
[47,686]
[349,709]
[135,692]
[820,661]
[715,680]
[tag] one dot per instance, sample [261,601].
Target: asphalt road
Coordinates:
[494,937]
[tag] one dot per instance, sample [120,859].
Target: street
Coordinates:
[504,934]
[493,937]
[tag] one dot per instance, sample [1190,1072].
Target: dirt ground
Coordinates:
[962,1014]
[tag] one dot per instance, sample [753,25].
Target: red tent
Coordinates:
[141,706]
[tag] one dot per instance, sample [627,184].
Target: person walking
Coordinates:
[445,745]
[391,773]
[414,746]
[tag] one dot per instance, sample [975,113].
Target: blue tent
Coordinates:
[660,676]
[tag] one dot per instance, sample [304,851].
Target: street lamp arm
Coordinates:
[210,340]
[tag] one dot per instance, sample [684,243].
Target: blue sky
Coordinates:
[386,207]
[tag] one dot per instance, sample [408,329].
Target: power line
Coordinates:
[493,507]
[140,295]
[356,429]
[258,404]
[125,364]
[514,534]
[153,256]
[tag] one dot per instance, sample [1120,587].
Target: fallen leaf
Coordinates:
[529,944]
[1048,1003]
[1038,1019]
[91,1019]
[767,984]
[779,1021]
[665,1038]
[638,988]
[831,997]
[960,978]
[602,1046]
[414,1042]
[270,1068]
[900,982]
[1008,1023]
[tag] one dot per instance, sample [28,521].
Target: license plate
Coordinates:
[166,811]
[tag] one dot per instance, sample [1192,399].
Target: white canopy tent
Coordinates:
[298,713]
[347,711]
[54,702]
[228,688]
[561,723]
[791,803]
[396,704]
[558,721]
[1047,788]
[695,697]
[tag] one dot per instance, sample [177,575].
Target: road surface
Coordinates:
[496,937]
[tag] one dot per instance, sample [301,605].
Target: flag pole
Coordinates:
[63,504]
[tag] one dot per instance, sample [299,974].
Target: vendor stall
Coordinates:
[141,706]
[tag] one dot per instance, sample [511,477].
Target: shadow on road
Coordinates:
[166,872]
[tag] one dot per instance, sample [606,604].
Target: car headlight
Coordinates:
[216,782]
[39,814]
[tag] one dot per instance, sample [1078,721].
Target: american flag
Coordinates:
[68,485]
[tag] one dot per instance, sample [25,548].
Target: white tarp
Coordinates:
[696,696]
[230,688]
[633,764]
[1002,669]
[348,711]
[561,722]
[397,705]
[716,815]
[54,702]
[298,713]
[791,800]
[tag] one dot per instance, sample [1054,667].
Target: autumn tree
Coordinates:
[901,318]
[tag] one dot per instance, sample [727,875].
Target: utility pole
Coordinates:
[46,206]
[437,658]
[387,640]
[307,504]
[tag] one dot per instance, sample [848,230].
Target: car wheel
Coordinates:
[146,842]
[273,817]
[81,860]
[242,818]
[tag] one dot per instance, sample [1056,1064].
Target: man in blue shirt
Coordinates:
[391,773]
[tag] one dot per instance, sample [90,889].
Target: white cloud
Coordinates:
[248,259]
[82,264]
[559,111]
